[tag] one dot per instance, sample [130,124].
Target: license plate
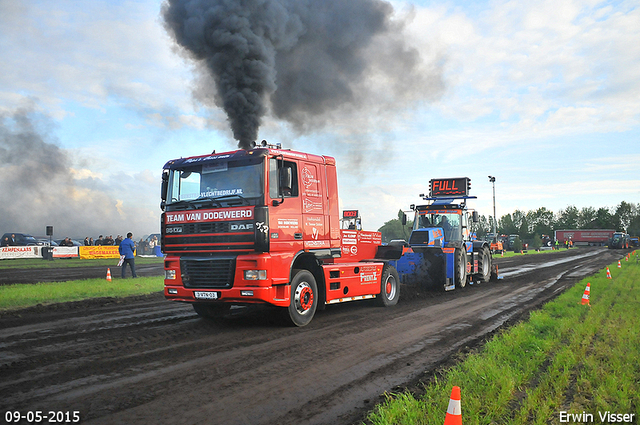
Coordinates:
[206,295]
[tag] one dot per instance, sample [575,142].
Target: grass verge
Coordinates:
[570,363]
[20,296]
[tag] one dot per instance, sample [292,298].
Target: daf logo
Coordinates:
[247,226]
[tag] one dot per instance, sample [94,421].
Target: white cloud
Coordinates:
[98,53]
[526,60]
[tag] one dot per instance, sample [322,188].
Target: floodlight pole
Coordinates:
[495,232]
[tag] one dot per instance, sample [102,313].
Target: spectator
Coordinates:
[90,241]
[119,240]
[5,241]
[100,241]
[86,241]
[66,242]
[126,249]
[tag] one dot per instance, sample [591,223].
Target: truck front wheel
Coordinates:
[389,287]
[304,298]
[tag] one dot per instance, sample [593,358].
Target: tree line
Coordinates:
[529,225]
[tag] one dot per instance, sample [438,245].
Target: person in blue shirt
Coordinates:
[127,248]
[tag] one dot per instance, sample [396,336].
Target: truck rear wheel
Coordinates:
[304,298]
[460,268]
[485,265]
[389,287]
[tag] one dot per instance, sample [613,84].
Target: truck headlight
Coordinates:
[255,275]
[170,274]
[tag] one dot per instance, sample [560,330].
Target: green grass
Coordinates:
[568,358]
[18,296]
[36,263]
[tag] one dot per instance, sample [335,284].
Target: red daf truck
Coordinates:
[263,226]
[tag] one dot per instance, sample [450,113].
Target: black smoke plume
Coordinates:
[298,59]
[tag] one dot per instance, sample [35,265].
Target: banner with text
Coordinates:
[65,252]
[7,252]
[92,252]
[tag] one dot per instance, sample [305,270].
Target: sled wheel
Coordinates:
[485,264]
[460,268]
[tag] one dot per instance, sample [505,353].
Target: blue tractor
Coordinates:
[442,252]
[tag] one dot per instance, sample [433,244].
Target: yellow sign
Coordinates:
[92,252]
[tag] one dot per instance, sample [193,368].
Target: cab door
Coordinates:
[285,219]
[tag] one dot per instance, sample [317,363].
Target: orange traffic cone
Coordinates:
[585,296]
[109,275]
[454,413]
[619,265]
[608,273]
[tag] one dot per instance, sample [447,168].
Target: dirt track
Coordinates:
[11,276]
[145,360]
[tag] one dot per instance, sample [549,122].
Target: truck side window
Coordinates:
[283,178]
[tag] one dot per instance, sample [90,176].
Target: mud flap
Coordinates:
[450,285]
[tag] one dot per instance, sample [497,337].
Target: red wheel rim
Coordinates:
[306,298]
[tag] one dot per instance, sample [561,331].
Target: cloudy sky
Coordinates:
[543,95]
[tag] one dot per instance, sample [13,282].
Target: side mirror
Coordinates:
[404,219]
[475,217]
[286,179]
[164,188]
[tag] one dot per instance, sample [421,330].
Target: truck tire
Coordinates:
[460,268]
[485,265]
[389,287]
[304,298]
[211,311]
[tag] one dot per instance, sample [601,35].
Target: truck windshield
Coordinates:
[224,183]
[449,222]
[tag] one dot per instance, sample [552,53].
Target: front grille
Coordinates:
[211,237]
[211,227]
[224,239]
[208,272]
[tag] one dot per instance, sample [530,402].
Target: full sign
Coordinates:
[458,186]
